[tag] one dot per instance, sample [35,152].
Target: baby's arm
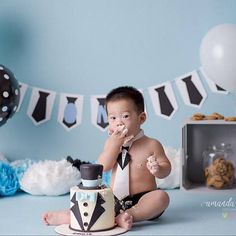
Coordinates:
[109,154]
[158,164]
[112,148]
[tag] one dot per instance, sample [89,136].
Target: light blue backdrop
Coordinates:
[88,47]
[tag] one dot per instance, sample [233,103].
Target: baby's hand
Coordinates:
[153,165]
[119,132]
[119,135]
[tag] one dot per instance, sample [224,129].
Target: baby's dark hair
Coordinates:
[127,92]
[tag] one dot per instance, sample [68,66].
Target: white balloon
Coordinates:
[218,55]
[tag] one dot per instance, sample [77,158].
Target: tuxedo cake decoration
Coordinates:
[92,204]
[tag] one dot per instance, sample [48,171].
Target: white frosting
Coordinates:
[106,219]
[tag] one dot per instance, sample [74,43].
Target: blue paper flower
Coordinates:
[106,178]
[20,166]
[9,183]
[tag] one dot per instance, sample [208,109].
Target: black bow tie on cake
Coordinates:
[121,182]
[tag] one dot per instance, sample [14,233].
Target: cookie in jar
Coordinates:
[218,166]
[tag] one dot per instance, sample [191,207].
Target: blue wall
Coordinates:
[88,47]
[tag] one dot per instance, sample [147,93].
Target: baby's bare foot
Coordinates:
[124,220]
[56,217]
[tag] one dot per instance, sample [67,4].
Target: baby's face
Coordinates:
[123,112]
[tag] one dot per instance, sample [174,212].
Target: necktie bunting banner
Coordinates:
[163,98]
[70,110]
[40,105]
[191,89]
[98,111]
[23,88]
[214,87]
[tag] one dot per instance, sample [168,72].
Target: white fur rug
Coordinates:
[50,178]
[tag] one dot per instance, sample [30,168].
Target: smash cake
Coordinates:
[92,205]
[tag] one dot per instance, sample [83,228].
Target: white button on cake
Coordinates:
[92,205]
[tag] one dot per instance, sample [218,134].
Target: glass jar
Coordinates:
[218,166]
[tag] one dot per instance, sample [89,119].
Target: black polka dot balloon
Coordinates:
[9,94]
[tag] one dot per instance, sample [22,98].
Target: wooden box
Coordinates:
[196,137]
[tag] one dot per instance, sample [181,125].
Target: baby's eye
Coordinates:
[112,117]
[126,116]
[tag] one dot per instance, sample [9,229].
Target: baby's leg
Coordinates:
[149,205]
[57,217]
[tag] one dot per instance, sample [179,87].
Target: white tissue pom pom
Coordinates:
[50,178]
[3,158]
[173,179]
